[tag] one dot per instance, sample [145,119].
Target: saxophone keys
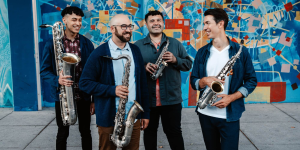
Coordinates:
[164,63]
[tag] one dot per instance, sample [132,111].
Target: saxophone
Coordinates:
[66,62]
[123,129]
[209,95]
[161,64]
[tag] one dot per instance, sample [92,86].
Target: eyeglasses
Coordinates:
[124,26]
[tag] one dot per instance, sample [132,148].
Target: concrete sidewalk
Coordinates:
[263,127]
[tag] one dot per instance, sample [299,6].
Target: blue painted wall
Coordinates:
[6,93]
[22,54]
[269,28]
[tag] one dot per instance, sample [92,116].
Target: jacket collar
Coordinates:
[147,40]
[232,45]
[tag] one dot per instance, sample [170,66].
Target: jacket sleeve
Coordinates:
[250,80]
[144,90]
[91,74]
[195,75]
[184,62]
[47,73]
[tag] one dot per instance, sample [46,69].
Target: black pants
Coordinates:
[219,134]
[84,121]
[171,123]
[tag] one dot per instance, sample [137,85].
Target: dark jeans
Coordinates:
[171,123]
[84,120]
[219,134]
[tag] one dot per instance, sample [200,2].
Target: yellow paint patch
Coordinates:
[262,50]
[104,17]
[295,67]
[151,9]
[297,16]
[234,25]
[170,33]
[260,94]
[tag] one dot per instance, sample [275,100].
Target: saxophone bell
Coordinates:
[217,87]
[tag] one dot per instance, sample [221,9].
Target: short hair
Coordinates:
[72,9]
[219,15]
[153,13]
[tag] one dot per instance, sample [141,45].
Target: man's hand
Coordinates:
[92,108]
[151,68]
[144,124]
[122,91]
[206,81]
[225,101]
[169,57]
[64,80]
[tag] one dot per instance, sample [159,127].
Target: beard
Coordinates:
[121,36]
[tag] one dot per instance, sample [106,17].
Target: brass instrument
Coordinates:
[209,95]
[66,62]
[161,64]
[123,129]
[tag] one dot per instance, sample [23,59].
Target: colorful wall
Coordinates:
[269,27]
[6,82]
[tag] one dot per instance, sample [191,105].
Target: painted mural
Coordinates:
[269,27]
[6,93]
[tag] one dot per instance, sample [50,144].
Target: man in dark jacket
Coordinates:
[220,122]
[77,44]
[102,77]
[165,91]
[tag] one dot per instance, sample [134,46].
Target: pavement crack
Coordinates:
[39,133]
[7,115]
[249,139]
[285,113]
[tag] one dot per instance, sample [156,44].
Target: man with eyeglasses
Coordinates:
[165,91]
[102,78]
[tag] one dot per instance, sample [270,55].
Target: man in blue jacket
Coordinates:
[220,122]
[77,44]
[102,77]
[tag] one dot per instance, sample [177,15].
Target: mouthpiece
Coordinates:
[44,26]
[107,57]
[242,41]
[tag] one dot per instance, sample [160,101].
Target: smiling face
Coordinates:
[73,23]
[116,29]
[212,28]
[155,24]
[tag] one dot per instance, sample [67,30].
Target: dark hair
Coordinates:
[72,9]
[219,15]
[153,13]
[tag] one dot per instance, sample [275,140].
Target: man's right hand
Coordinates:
[206,81]
[64,80]
[122,91]
[151,68]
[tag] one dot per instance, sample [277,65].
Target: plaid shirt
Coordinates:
[74,47]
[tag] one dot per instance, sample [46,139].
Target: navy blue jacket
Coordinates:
[243,78]
[98,80]
[48,67]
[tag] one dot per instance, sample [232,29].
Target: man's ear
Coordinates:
[112,29]
[64,19]
[221,24]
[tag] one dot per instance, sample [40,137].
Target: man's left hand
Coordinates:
[92,108]
[144,124]
[169,57]
[224,102]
